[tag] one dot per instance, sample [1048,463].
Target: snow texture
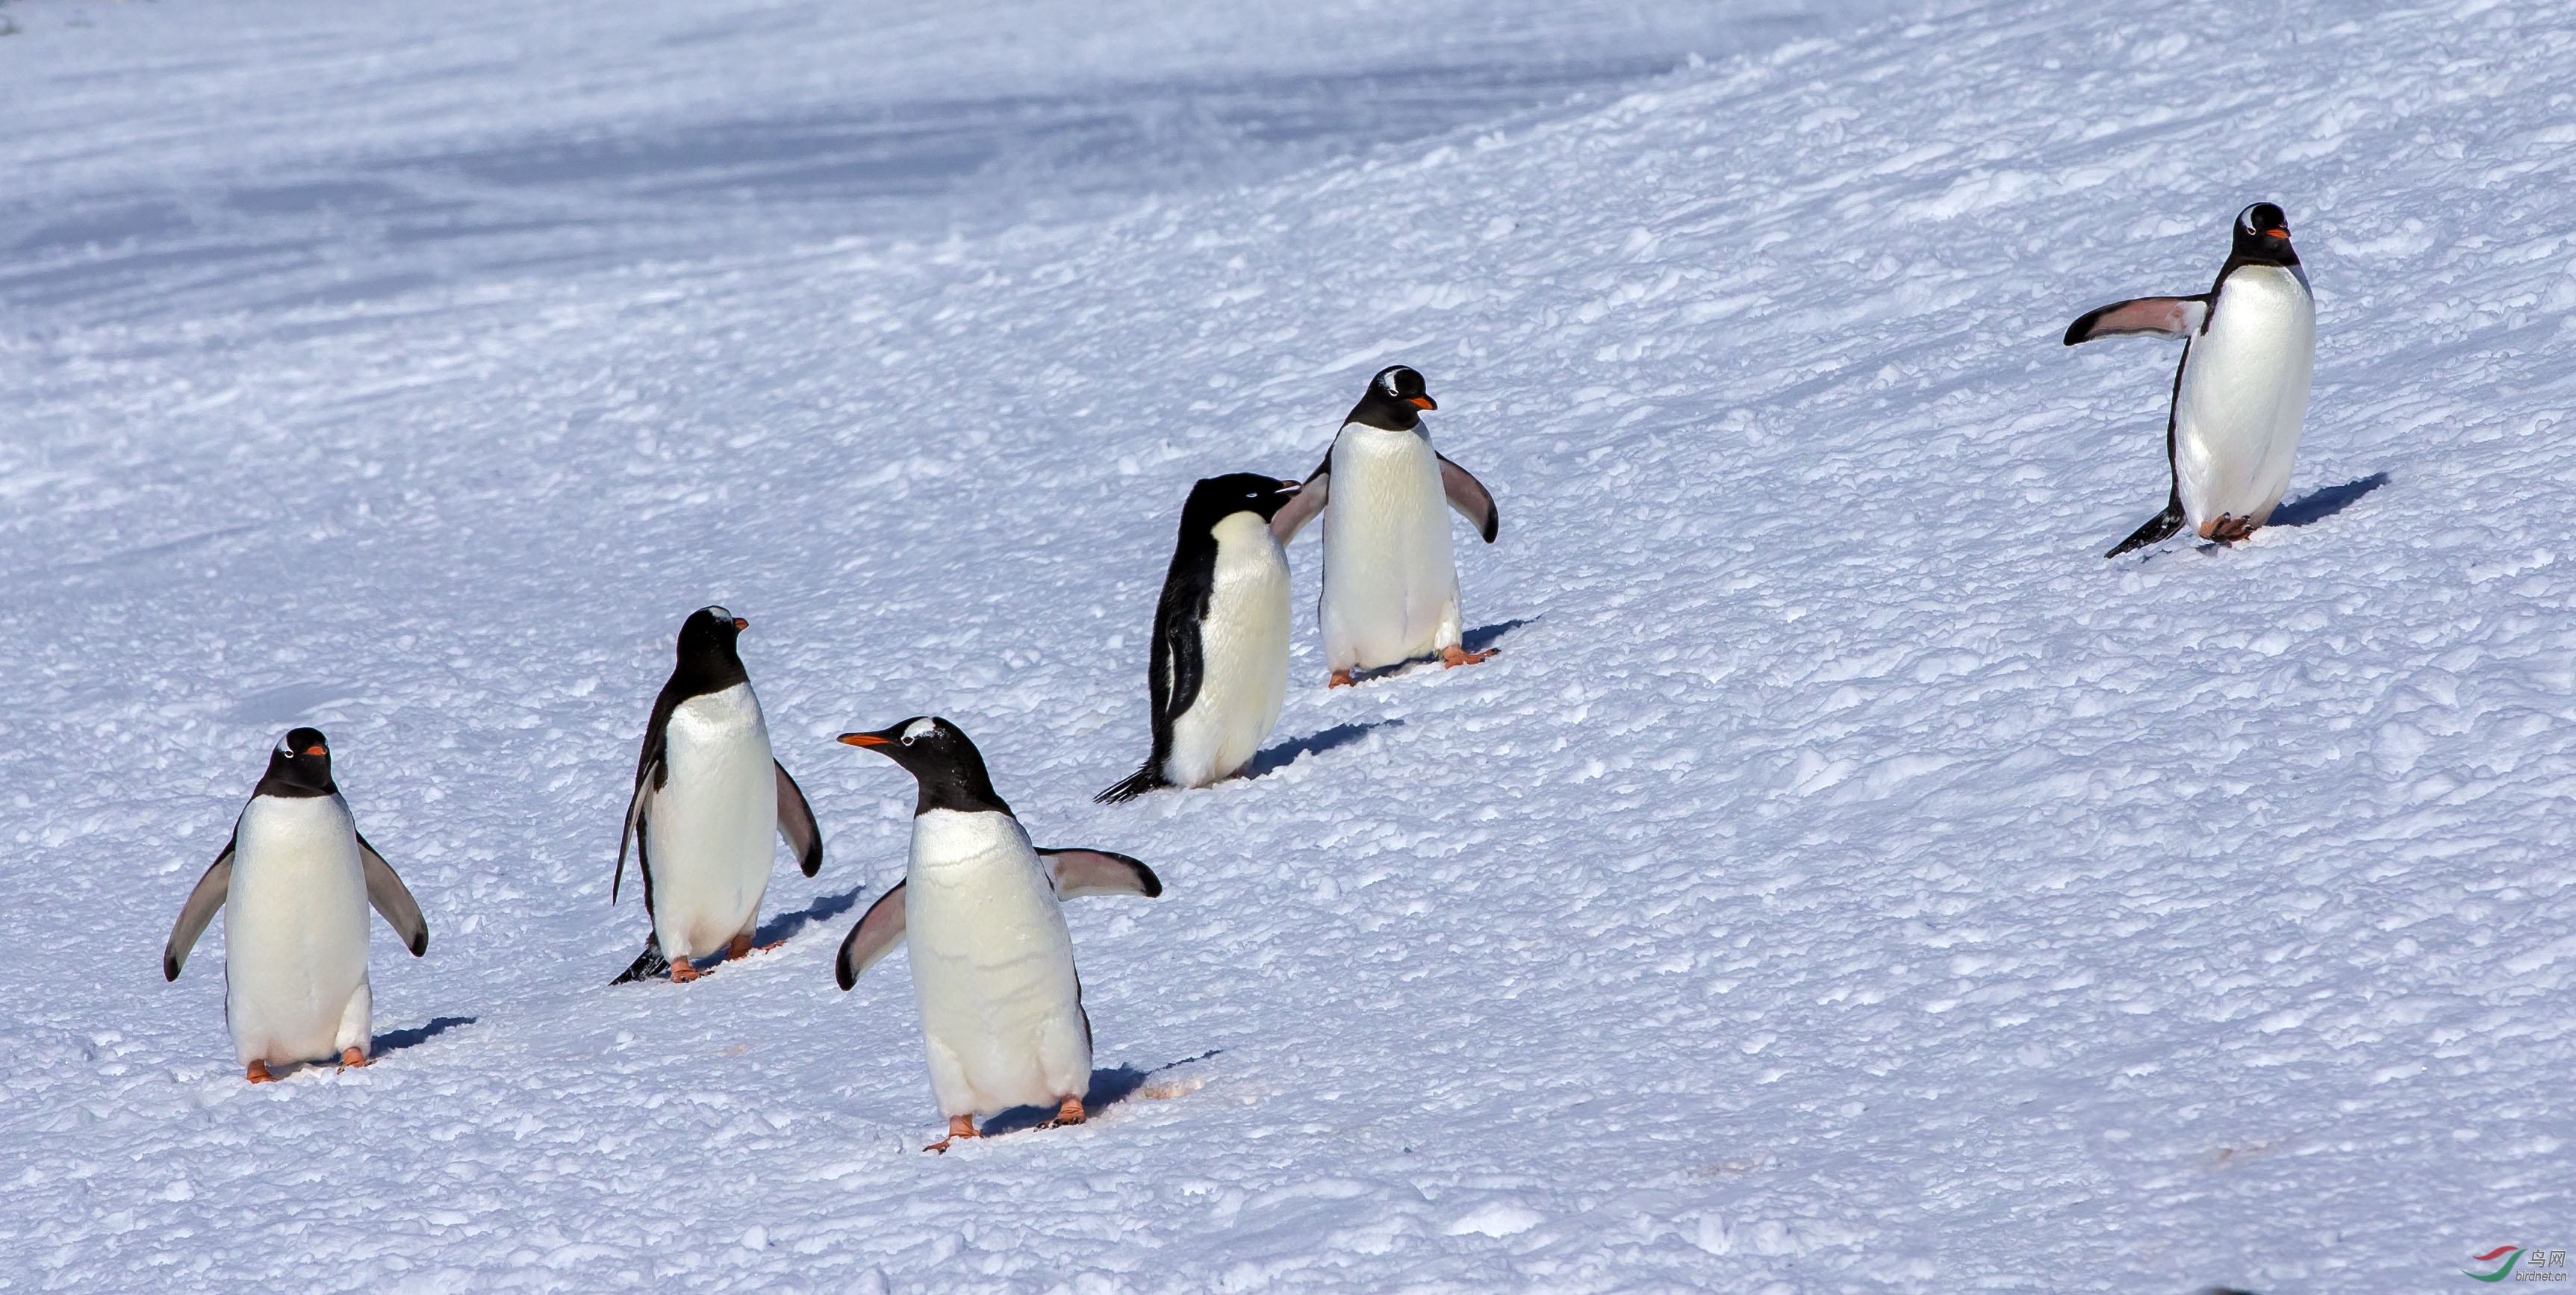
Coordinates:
[1842,880]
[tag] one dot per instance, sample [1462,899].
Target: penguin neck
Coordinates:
[709,670]
[962,786]
[1385,412]
[2254,253]
[286,781]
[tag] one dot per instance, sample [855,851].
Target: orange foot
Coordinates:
[257,1073]
[959,1126]
[1069,1113]
[1453,656]
[1340,679]
[353,1057]
[2229,528]
[682,973]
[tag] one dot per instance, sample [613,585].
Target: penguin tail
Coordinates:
[1134,785]
[2158,528]
[648,965]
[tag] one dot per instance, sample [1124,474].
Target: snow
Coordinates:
[1842,879]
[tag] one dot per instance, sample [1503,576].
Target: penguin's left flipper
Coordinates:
[878,931]
[387,895]
[647,777]
[1098,872]
[796,823]
[1308,502]
[2161,316]
[1469,497]
[203,902]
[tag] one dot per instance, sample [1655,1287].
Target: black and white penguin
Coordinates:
[1220,658]
[708,796]
[2241,390]
[294,884]
[1390,577]
[992,962]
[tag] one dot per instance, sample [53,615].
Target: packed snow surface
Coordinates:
[1842,878]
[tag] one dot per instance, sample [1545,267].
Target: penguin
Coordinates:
[992,962]
[1390,580]
[1220,658]
[708,796]
[294,883]
[2241,390]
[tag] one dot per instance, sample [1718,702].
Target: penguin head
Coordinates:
[942,759]
[1394,400]
[2263,234]
[299,766]
[708,662]
[1214,499]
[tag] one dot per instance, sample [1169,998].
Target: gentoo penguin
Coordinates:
[1390,580]
[2241,391]
[295,883]
[1220,658]
[708,796]
[992,963]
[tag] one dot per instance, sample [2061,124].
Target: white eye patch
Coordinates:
[720,613]
[919,728]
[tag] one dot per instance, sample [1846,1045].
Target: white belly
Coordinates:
[1243,648]
[295,932]
[712,823]
[2243,398]
[1390,579]
[992,967]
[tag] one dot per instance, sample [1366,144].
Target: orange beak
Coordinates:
[1291,486]
[317,750]
[741,624]
[862,739]
[1420,402]
[2276,233]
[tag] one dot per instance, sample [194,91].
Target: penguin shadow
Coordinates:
[1287,753]
[787,926]
[1474,640]
[1485,636]
[2325,501]
[1108,1088]
[396,1040]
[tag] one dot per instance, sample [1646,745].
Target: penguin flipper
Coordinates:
[796,823]
[209,895]
[392,900]
[1305,505]
[1099,872]
[646,779]
[2161,316]
[1469,497]
[878,931]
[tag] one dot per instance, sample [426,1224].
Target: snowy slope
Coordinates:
[1842,880]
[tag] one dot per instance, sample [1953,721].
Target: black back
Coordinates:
[2262,238]
[942,759]
[1390,400]
[300,767]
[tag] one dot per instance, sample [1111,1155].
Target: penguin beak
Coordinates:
[317,750]
[1292,487]
[741,624]
[861,739]
[1421,402]
[2276,233]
